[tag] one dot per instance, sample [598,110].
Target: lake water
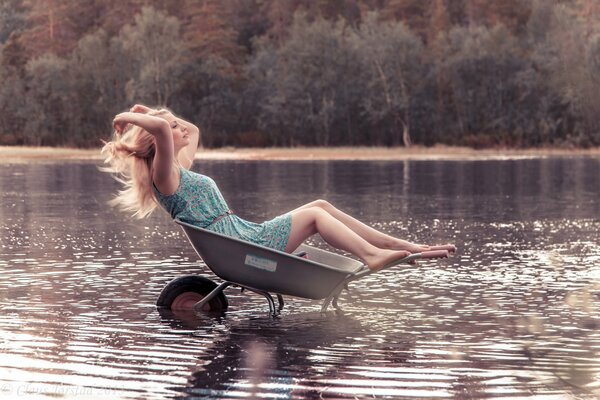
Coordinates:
[515,314]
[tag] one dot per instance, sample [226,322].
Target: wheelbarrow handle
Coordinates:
[450,247]
[434,254]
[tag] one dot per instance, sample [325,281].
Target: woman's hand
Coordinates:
[121,122]
[151,124]
[140,108]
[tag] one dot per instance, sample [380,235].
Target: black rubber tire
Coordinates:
[191,283]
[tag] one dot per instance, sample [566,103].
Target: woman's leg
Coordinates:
[310,220]
[373,236]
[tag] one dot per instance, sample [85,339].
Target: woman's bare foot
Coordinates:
[384,257]
[417,248]
[411,247]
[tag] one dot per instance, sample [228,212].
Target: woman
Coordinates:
[153,151]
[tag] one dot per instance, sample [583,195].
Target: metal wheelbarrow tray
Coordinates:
[323,275]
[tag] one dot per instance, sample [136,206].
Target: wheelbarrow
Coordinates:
[310,273]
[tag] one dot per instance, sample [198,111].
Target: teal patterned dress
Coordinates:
[199,202]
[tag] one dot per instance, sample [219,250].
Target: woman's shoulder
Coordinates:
[191,176]
[173,184]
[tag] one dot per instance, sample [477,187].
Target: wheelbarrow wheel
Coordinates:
[182,293]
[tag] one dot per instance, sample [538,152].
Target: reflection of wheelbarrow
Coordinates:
[310,273]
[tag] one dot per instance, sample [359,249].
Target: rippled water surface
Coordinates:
[515,314]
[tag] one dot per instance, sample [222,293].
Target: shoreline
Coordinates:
[20,154]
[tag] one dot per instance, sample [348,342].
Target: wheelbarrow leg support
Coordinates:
[269,298]
[331,299]
[198,306]
[272,309]
[325,305]
[334,303]
[335,293]
[271,302]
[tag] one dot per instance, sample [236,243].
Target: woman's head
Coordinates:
[129,156]
[181,135]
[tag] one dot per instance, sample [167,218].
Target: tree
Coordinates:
[249,20]
[208,95]
[12,18]
[414,13]
[513,14]
[312,82]
[281,13]
[260,97]
[439,20]
[565,52]
[13,59]
[208,31]
[395,64]
[12,75]
[55,26]
[98,82]
[155,54]
[47,103]
[488,99]
[14,56]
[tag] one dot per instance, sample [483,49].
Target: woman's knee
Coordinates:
[304,225]
[322,204]
[318,212]
[306,218]
[321,216]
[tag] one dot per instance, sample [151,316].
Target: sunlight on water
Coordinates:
[514,314]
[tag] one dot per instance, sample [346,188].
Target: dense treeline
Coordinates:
[305,72]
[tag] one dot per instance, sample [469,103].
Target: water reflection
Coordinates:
[515,314]
[259,356]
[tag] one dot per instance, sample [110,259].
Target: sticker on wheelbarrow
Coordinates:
[260,263]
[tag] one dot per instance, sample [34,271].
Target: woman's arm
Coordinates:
[188,153]
[164,175]
[153,125]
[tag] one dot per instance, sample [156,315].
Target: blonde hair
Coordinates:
[130,156]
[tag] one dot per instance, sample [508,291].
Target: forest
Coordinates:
[479,73]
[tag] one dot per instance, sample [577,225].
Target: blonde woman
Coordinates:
[153,151]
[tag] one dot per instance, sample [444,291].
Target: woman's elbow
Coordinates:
[161,128]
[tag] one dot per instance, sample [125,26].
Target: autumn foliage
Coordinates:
[305,72]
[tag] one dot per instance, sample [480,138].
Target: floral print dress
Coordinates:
[199,202]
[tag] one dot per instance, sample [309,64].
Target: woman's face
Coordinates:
[181,136]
